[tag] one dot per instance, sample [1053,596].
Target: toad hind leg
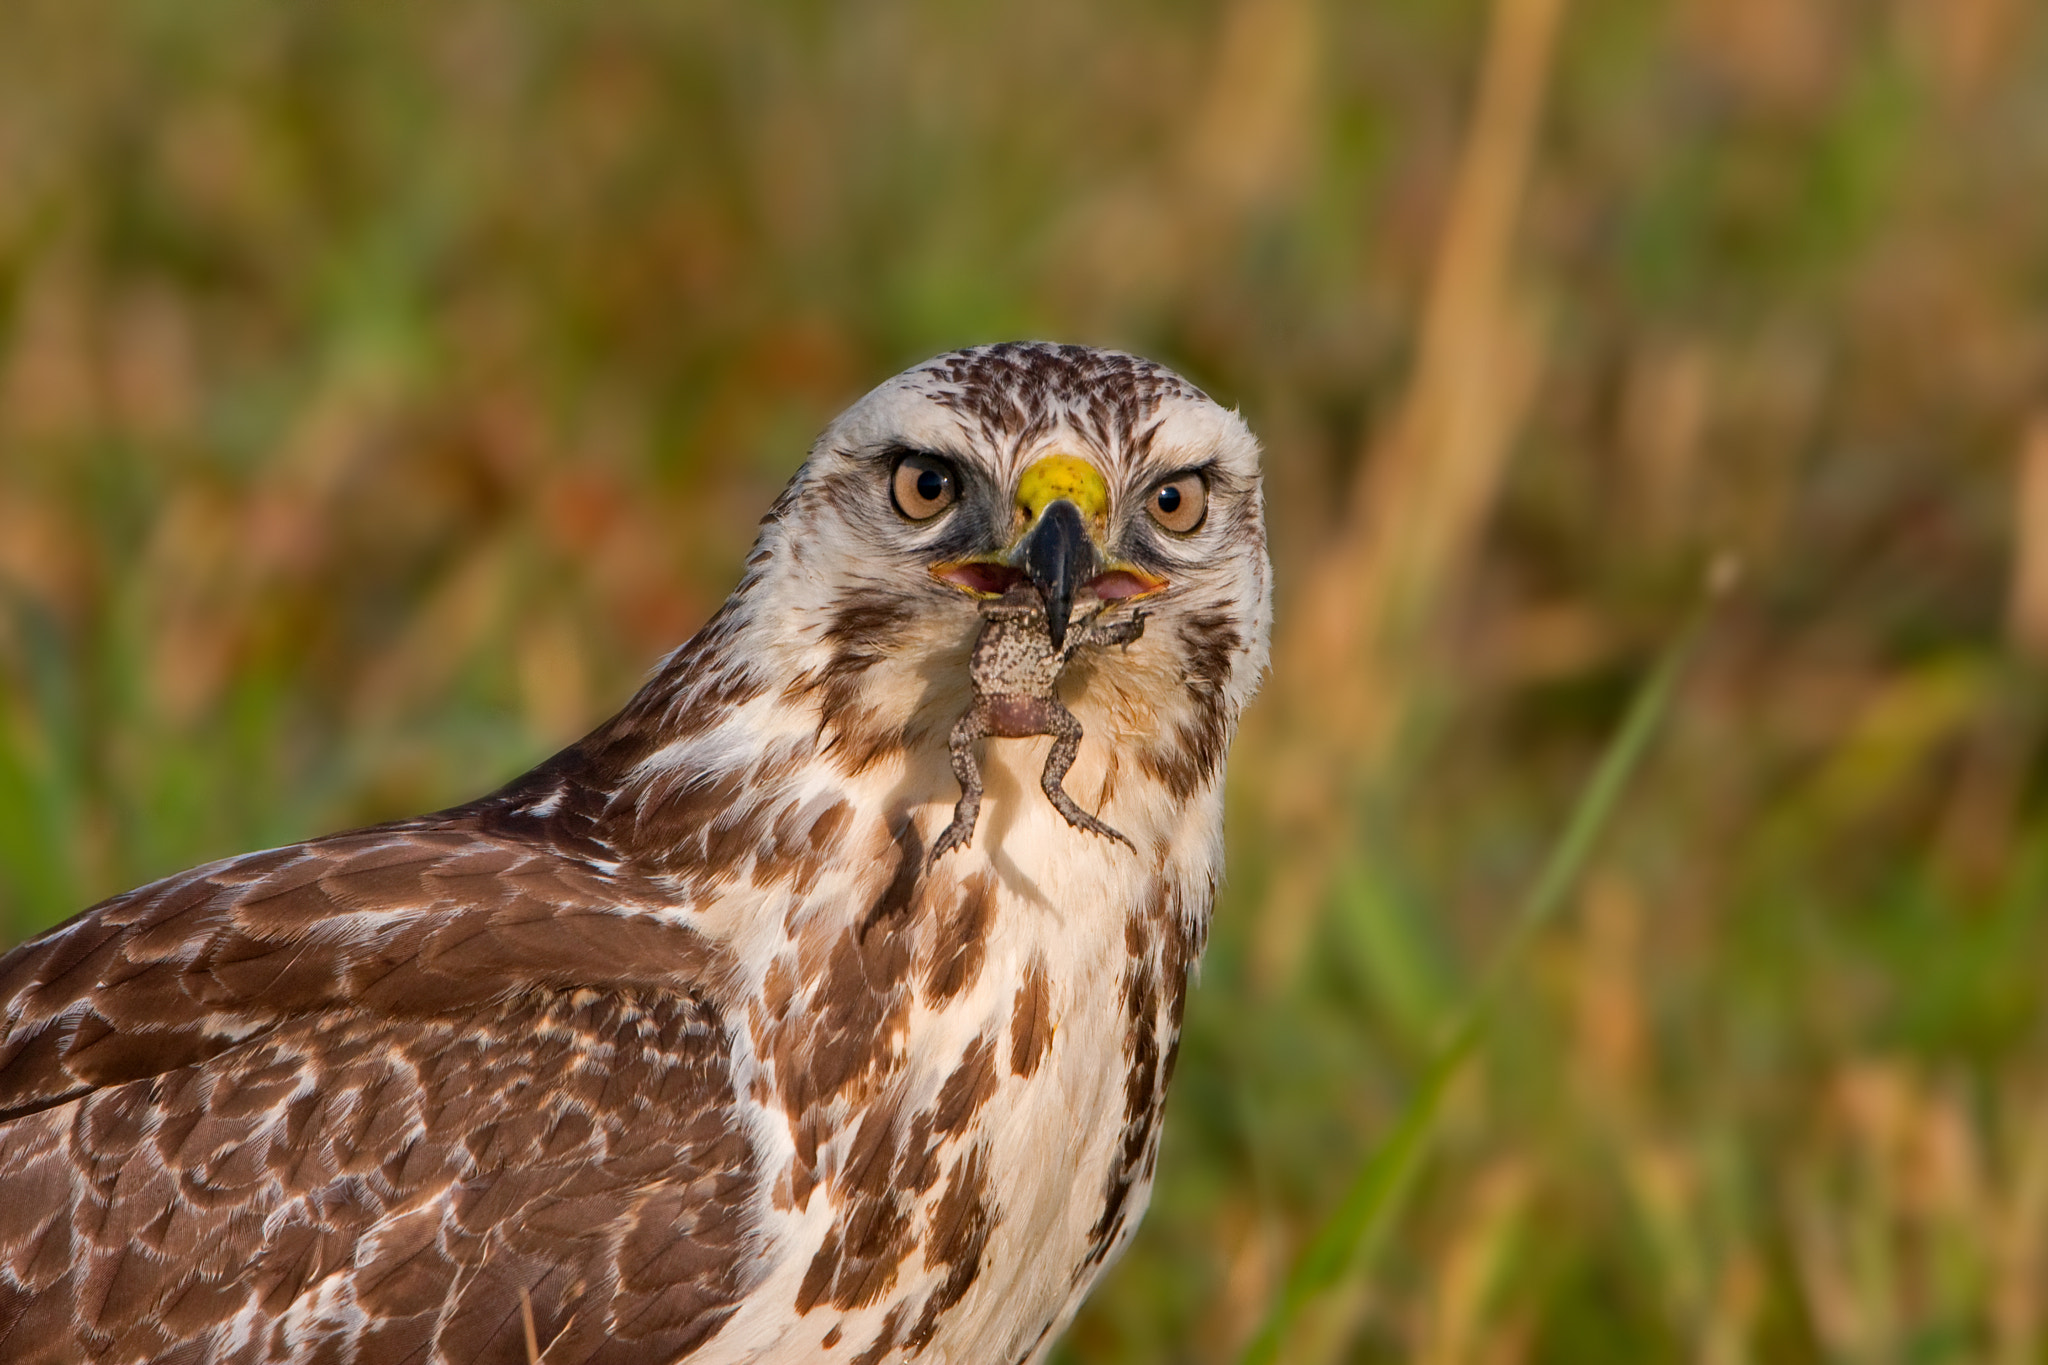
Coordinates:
[1066,745]
[967,810]
[1122,632]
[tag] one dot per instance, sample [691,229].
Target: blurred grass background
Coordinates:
[383,388]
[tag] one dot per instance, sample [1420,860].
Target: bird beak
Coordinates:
[1063,506]
[1058,557]
[1065,503]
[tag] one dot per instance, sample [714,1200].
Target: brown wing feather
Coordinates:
[574,1146]
[407,921]
[359,1094]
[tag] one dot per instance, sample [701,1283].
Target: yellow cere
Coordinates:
[1063,476]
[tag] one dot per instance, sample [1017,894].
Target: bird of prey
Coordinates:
[685,1045]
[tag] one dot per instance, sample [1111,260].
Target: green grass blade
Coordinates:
[1344,1243]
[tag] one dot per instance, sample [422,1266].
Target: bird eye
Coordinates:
[923,486]
[1180,503]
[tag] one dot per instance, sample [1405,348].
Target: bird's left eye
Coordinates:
[923,486]
[1180,504]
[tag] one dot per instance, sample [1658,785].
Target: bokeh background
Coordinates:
[383,388]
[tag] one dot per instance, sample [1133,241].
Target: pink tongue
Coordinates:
[989,578]
[1116,585]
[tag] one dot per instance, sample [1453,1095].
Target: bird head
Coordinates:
[1100,480]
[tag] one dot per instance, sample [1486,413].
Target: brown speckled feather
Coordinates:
[428,1057]
[413,920]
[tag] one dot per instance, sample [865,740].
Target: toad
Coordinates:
[1014,671]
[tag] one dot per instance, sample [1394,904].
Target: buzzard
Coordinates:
[688,1044]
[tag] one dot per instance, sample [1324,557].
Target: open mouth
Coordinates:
[1120,584]
[986,579]
[980,578]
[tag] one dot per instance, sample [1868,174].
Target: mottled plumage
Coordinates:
[680,1042]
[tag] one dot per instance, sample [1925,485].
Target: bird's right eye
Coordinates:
[923,486]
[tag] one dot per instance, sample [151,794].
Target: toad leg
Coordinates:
[1066,745]
[1116,632]
[967,810]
